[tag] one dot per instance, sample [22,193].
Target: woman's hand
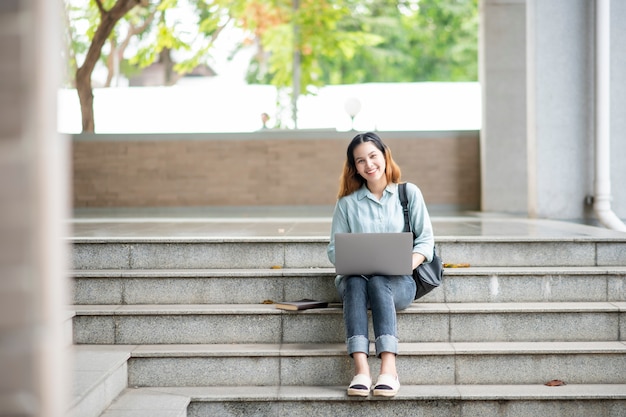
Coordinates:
[418,259]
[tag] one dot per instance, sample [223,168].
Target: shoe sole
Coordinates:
[384,393]
[358,392]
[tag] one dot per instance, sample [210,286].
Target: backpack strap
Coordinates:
[405,206]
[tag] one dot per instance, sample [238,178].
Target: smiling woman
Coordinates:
[369,203]
[370,164]
[367,159]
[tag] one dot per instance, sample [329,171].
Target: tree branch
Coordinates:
[108,20]
[100,7]
[117,50]
[134,30]
[219,30]
[111,70]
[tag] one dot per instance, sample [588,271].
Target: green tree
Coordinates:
[109,16]
[313,43]
[294,37]
[425,40]
[444,40]
[117,23]
[300,43]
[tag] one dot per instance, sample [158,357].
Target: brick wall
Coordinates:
[264,168]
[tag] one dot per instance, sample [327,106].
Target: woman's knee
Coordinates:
[404,293]
[354,283]
[352,286]
[400,289]
[380,284]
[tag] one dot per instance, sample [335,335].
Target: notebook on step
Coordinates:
[373,253]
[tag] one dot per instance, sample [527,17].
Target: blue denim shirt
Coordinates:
[361,212]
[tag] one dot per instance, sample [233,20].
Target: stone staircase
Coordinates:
[177,326]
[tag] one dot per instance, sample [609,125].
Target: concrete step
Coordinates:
[412,400]
[422,322]
[68,328]
[202,286]
[148,403]
[419,363]
[100,374]
[229,286]
[310,251]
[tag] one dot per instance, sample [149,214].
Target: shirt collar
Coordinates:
[363,192]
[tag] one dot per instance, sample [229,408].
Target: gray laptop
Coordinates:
[373,253]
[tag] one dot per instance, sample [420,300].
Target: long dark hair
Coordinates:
[350,180]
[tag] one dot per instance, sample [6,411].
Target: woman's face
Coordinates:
[369,162]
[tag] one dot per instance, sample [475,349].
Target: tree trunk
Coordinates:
[108,20]
[112,63]
[85,96]
[165,58]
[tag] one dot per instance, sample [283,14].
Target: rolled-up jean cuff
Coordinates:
[358,344]
[386,343]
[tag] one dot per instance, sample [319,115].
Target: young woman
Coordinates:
[368,202]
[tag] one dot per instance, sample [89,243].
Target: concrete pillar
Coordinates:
[618,104]
[502,63]
[33,209]
[560,107]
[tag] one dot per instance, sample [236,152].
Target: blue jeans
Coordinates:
[384,295]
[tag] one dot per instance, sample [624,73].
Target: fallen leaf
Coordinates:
[267,302]
[555,383]
[456,265]
[276,267]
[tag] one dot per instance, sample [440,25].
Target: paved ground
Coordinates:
[303,221]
